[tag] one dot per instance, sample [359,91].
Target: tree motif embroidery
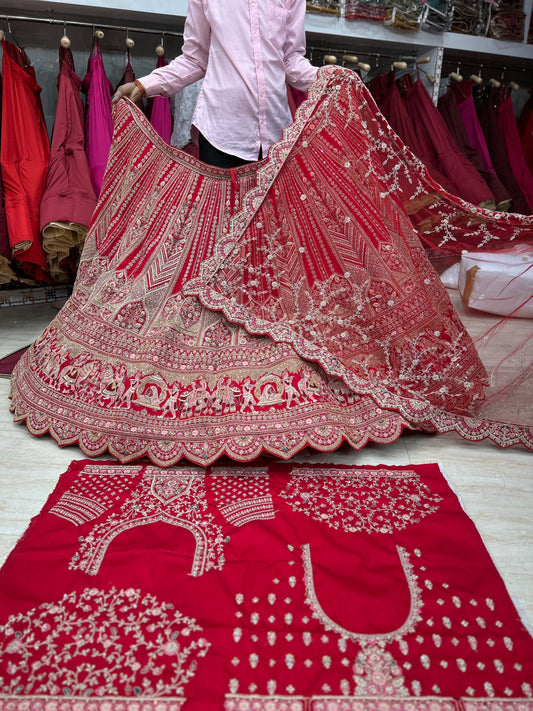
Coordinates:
[96,643]
[371,501]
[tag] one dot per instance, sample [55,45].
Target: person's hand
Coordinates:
[131,90]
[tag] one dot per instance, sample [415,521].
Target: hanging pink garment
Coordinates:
[476,137]
[24,157]
[158,110]
[99,122]
[69,200]
[509,131]
[434,136]
[450,112]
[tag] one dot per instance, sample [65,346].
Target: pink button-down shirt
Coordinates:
[246,50]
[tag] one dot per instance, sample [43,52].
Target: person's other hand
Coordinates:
[131,90]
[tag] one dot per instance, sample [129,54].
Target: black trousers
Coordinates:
[211,155]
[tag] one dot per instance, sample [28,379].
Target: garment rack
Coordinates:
[79,23]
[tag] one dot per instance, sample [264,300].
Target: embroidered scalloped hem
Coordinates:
[207,448]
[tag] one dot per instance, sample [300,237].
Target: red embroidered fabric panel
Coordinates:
[302,588]
[286,304]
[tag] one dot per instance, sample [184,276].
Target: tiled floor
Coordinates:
[494,485]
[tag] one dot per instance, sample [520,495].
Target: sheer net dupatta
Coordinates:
[329,258]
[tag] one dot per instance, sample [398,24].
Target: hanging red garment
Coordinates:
[283,304]
[24,157]
[449,110]
[509,131]
[6,273]
[69,200]
[98,122]
[467,107]
[128,75]
[440,147]
[387,95]
[5,252]
[158,109]
[525,129]
[489,117]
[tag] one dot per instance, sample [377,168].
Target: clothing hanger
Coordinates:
[456,76]
[348,59]
[477,78]
[160,49]
[65,41]
[10,33]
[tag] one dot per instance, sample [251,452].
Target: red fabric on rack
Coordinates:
[489,116]
[24,157]
[5,250]
[440,148]
[509,131]
[387,95]
[525,129]
[265,588]
[69,196]
[128,75]
[465,99]
[450,111]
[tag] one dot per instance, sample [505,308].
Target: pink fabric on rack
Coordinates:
[99,122]
[473,128]
[159,110]
[449,109]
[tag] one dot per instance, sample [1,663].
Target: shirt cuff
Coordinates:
[150,85]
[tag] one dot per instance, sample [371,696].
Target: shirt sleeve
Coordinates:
[191,65]
[299,70]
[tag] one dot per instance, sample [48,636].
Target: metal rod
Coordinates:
[70,23]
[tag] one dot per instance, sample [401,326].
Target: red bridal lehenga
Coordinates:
[283,304]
